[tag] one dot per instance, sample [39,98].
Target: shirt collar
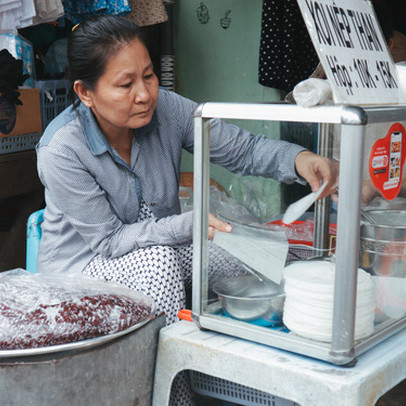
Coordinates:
[98,143]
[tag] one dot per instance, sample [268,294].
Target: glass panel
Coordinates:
[245,267]
[242,278]
[383,244]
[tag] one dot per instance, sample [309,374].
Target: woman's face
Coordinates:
[126,94]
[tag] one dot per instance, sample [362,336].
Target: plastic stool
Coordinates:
[306,381]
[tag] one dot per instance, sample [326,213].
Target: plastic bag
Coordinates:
[41,310]
[312,92]
[56,59]
[227,208]
[299,231]
[221,205]
[186,199]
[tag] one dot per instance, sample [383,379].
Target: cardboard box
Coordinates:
[20,120]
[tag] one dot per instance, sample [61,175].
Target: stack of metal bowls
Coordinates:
[383,244]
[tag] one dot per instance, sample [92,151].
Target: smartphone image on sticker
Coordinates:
[395,151]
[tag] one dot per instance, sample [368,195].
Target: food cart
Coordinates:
[352,295]
[353,125]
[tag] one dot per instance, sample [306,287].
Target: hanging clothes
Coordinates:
[397,8]
[79,10]
[47,11]
[16,14]
[286,55]
[147,12]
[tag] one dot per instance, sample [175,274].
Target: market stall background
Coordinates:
[194,47]
[211,39]
[39,41]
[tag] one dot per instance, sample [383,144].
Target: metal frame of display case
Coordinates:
[343,348]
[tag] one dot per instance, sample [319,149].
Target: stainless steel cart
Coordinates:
[351,121]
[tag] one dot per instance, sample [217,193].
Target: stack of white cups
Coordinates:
[308,309]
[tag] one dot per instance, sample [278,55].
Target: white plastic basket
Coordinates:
[222,389]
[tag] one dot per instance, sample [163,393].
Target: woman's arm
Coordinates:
[246,154]
[83,204]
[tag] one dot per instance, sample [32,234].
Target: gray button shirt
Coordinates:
[93,197]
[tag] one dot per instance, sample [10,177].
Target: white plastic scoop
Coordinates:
[297,209]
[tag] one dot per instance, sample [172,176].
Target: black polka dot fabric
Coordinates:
[397,9]
[165,274]
[286,55]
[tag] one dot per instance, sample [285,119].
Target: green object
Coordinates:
[214,63]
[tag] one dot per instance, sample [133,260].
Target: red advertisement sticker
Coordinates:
[386,161]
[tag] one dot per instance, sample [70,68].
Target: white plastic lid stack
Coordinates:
[308,309]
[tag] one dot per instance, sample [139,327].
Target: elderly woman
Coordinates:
[110,164]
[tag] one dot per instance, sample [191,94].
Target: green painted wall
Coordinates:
[218,64]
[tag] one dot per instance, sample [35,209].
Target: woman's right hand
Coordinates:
[316,170]
[216,224]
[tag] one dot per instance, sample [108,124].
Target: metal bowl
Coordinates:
[246,297]
[383,245]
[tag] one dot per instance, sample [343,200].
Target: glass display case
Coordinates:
[336,294]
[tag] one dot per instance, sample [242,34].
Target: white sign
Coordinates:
[353,51]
